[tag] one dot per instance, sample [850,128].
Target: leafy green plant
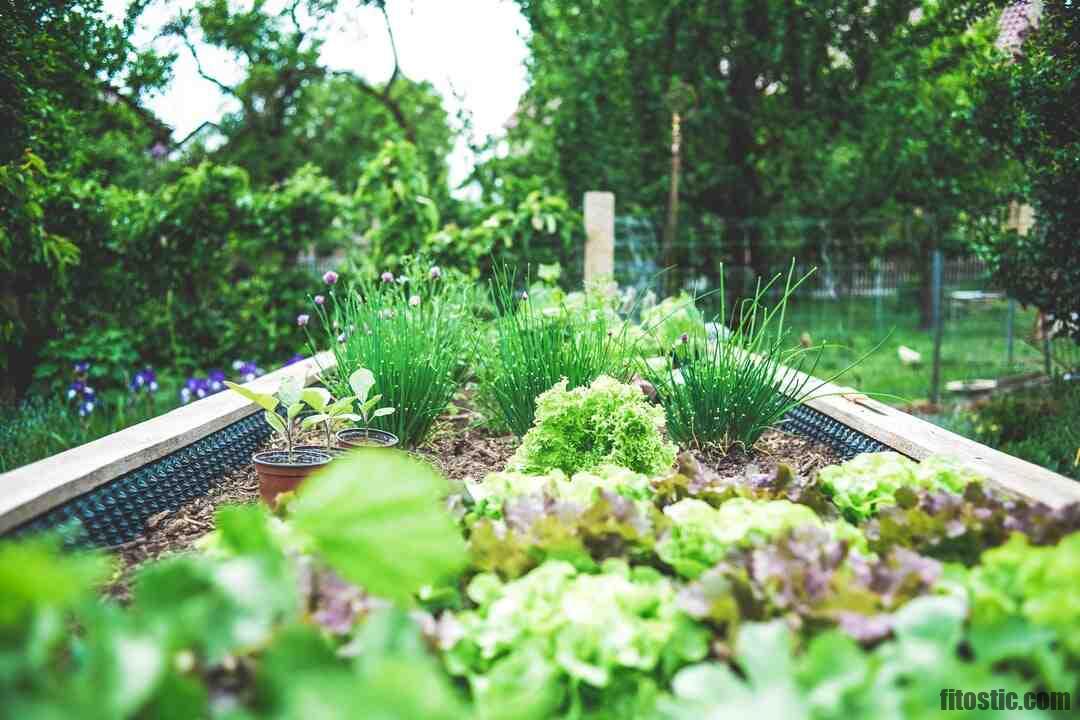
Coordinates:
[290,395]
[331,413]
[606,422]
[411,332]
[727,392]
[537,646]
[871,481]
[534,350]
[701,535]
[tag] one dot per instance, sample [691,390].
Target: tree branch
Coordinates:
[393,49]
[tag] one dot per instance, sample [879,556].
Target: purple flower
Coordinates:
[247,371]
[145,379]
[319,299]
[435,273]
[86,407]
[684,338]
[295,359]
[387,277]
[330,277]
[302,319]
[216,380]
[82,367]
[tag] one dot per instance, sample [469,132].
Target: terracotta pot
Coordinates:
[278,472]
[366,437]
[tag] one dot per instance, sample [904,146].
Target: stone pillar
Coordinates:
[599,235]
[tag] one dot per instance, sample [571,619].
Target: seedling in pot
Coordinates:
[289,394]
[278,471]
[362,381]
[329,413]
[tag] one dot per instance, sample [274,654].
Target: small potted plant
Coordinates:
[361,383]
[330,414]
[282,470]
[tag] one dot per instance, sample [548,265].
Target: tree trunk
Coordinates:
[671,226]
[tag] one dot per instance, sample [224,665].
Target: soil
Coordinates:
[460,449]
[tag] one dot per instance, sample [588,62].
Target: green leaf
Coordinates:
[318,398]
[376,517]
[290,390]
[265,401]
[313,420]
[293,410]
[274,420]
[361,382]
[381,412]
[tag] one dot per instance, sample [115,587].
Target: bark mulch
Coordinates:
[460,449]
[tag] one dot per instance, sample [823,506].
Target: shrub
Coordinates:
[534,350]
[607,422]
[412,335]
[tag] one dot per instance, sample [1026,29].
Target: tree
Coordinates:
[791,97]
[293,109]
[1027,106]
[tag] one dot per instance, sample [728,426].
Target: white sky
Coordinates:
[471,47]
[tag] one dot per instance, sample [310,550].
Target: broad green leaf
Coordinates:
[361,382]
[376,517]
[274,420]
[341,405]
[34,574]
[313,420]
[263,400]
[293,410]
[290,390]
[382,412]
[318,398]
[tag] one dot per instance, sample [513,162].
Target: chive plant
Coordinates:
[532,351]
[411,332]
[726,392]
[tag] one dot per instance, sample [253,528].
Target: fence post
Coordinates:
[599,235]
[936,291]
[1010,329]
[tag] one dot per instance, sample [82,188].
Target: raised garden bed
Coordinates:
[592,569]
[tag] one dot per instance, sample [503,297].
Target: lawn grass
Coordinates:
[973,344]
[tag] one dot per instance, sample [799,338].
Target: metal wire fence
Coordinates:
[869,283]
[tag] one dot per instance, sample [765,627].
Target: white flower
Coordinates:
[414,301]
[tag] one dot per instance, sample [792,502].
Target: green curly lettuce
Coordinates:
[532,643]
[701,535]
[583,487]
[607,422]
[868,482]
[1025,603]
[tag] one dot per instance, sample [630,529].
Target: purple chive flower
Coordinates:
[684,338]
[435,273]
[330,277]
[414,301]
[319,300]
[387,277]
[302,319]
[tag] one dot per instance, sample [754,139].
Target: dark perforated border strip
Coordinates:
[116,512]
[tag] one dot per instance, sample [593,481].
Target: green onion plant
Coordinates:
[531,351]
[412,332]
[725,391]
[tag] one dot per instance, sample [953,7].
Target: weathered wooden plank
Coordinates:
[919,439]
[34,489]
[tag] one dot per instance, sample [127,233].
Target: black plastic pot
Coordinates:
[279,471]
[334,452]
[366,437]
